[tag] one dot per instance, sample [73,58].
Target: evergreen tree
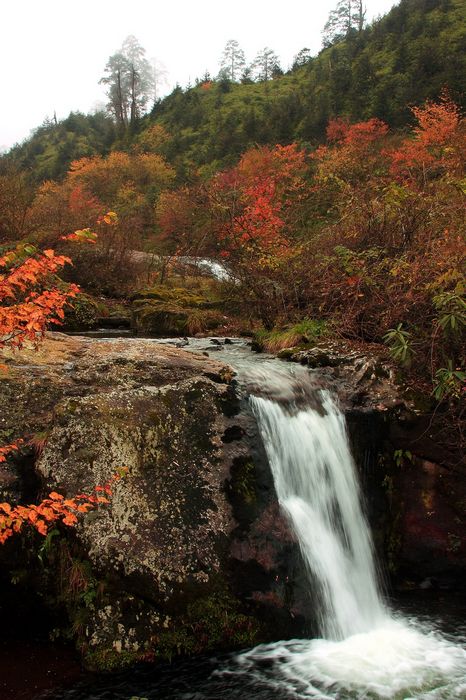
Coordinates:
[233,61]
[266,64]
[130,82]
[302,58]
[347,17]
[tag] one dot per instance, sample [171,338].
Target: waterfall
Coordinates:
[366,650]
[316,484]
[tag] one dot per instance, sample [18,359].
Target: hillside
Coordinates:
[324,191]
[402,59]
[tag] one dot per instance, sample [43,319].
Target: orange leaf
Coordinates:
[41,527]
[70,520]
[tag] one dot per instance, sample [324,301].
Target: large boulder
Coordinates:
[191,553]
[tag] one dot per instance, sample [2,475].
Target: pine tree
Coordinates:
[266,64]
[347,17]
[233,61]
[130,82]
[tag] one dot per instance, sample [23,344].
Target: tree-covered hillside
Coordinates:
[402,59]
[48,153]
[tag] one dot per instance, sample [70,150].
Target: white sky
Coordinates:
[53,52]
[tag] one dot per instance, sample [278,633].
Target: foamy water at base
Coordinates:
[399,660]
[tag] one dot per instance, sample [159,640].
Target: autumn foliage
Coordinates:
[32,297]
[437,144]
[51,510]
[365,232]
[259,192]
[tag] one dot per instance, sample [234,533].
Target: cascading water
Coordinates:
[317,487]
[365,652]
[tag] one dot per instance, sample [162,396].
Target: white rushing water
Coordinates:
[365,650]
[317,487]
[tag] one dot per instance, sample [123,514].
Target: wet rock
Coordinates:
[431,504]
[184,526]
[362,381]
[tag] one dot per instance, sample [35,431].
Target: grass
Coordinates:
[306,332]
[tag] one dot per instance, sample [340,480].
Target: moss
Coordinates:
[243,481]
[177,296]
[165,310]
[82,313]
[111,660]
[171,318]
[214,621]
[211,622]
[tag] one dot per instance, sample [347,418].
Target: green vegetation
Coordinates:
[400,60]
[48,153]
[305,333]
[403,59]
[213,622]
[168,310]
[399,342]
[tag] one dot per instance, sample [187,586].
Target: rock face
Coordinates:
[428,496]
[191,552]
[363,380]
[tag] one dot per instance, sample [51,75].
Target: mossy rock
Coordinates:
[176,296]
[212,622]
[159,319]
[82,313]
[168,311]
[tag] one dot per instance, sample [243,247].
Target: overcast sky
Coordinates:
[53,52]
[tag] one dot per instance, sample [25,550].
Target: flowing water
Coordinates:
[365,650]
[317,488]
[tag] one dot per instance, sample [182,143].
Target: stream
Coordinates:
[367,647]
